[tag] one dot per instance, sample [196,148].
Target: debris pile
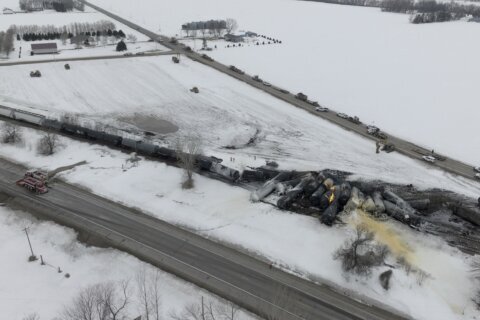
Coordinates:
[328,196]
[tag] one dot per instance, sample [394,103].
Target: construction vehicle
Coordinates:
[173,40]
[194,90]
[257,78]
[388,147]
[175,59]
[67,67]
[354,119]
[235,69]
[206,57]
[35,74]
[301,96]
[35,181]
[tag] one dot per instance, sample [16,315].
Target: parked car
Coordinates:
[372,129]
[380,135]
[354,119]
[476,169]
[342,115]
[284,91]
[321,109]
[128,54]
[206,57]
[140,53]
[314,103]
[268,84]
[235,69]
[257,78]
[477,175]
[430,159]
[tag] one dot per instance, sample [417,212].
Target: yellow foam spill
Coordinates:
[385,235]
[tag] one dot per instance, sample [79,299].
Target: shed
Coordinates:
[44,48]
[233,37]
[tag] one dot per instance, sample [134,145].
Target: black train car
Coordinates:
[165,153]
[110,138]
[52,124]
[146,148]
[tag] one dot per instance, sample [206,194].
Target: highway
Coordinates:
[247,281]
[146,54]
[404,147]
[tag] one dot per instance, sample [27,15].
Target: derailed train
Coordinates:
[205,163]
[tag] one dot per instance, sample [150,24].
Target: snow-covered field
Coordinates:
[225,112]
[28,287]
[414,81]
[295,242]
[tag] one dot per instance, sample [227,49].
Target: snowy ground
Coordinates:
[29,287]
[295,242]
[415,81]
[225,112]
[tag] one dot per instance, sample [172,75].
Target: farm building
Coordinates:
[234,37]
[44,48]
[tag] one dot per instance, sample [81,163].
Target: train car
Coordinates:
[109,138]
[146,148]
[7,112]
[130,143]
[52,124]
[165,153]
[226,172]
[28,117]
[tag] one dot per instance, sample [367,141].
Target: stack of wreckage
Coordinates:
[327,195]
[323,195]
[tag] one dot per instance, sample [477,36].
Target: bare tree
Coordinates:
[232,25]
[32,316]
[228,310]
[132,38]
[148,290]
[116,303]
[360,254]
[99,302]
[187,152]
[207,310]
[11,133]
[48,144]
[7,45]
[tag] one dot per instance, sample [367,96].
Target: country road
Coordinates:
[146,54]
[404,147]
[229,273]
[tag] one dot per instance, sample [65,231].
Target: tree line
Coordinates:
[72,28]
[64,35]
[211,27]
[427,11]
[6,41]
[57,5]
[423,11]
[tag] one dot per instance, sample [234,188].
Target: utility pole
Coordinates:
[32,257]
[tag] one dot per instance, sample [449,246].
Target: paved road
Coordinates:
[146,54]
[405,147]
[247,281]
